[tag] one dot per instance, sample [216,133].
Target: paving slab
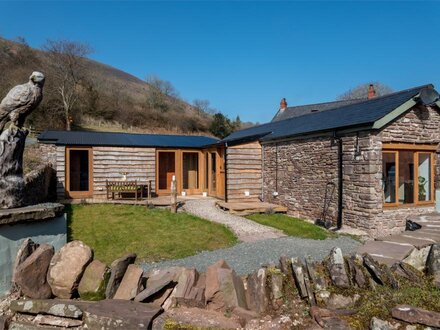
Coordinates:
[415,241]
[384,260]
[386,249]
[424,233]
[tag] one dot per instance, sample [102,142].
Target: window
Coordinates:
[407,175]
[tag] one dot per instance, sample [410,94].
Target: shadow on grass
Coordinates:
[68,210]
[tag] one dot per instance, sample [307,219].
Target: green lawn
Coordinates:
[153,234]
[292,226]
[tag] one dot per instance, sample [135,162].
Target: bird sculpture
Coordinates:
[21,101]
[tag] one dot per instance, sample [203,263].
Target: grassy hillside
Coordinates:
[110,99]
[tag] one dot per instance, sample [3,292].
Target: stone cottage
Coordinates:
[368,163]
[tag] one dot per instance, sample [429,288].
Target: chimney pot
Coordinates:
[283,104]
[371,91]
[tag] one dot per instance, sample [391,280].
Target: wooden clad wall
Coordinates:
[110,162]
[244,172]
[60,168]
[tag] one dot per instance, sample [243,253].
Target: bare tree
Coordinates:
[163,86]
[203,106]
[68,69]
[361,91]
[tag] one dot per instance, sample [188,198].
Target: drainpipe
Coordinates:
[340,182]
[225,156]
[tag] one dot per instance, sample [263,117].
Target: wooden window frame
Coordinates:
[417,149]
[79,194]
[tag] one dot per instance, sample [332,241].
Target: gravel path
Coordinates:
[244,258]
[246,230]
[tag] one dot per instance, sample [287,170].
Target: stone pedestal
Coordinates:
[43,223]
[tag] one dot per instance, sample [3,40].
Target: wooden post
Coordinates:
[173,195]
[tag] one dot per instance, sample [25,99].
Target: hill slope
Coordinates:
[110,99]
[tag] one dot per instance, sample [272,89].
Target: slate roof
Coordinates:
[80,138]
[301,110]
[362,113]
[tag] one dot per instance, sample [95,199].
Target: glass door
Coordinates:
[79,172]
[166,170]
[190,172]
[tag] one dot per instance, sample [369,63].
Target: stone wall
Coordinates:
[303,171]
[48,153]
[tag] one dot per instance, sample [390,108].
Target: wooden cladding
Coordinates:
[244,166]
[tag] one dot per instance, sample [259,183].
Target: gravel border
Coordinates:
[244,258]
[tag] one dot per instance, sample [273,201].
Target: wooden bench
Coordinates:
[120,188]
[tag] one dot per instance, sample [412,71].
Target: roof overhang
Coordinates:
[385,120]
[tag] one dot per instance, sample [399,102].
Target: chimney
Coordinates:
[283,105]
[371,91]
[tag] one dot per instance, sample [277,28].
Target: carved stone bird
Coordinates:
[21,100]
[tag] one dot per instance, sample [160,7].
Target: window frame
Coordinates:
[396,148]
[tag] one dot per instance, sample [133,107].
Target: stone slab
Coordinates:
[425,234]
[414,241]
[386,249]
[119,314]
[386,261]
[31,213]
[63,308]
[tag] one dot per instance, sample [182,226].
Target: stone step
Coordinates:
[388,250]
[416,242]
[424,234]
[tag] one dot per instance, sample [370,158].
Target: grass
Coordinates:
[153,234]
[292,226]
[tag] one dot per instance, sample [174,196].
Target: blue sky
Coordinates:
[245,56]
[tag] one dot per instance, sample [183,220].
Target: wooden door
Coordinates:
[79,172]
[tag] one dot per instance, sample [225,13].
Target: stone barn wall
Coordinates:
[301,170]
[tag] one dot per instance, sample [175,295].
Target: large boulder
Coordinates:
[433,264]
[117,271]
[67,267]
[26,249]
[31,275]
[93,281]
[190,291]
[224,289]
[131,283]
[119,314]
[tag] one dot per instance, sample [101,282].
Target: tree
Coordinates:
[68,72]
[361,91]
[221,126]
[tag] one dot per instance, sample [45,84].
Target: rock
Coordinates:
[173,272]
[336,268]
[17,325]
[257,292]
[380,273]
[4,322]
[117,271]
[48,306]
[163,297]
[57,321]
[433,264]
[418,257]
[93,282]
[67,267]
[224,289]
[414,315]
[407,271]
[130,285]
[356,274]
[378,324]
[298,275]
[26,249]
[195,318]
[339,301]
[244,315]
[119,314]
[31,274]
[155,285]
[169,302]
[189,291]
[276,285]
[327,319]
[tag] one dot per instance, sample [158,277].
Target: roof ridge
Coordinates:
[126,133]
[329,102]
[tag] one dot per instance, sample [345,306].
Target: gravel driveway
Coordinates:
[246,230]
[244,258]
